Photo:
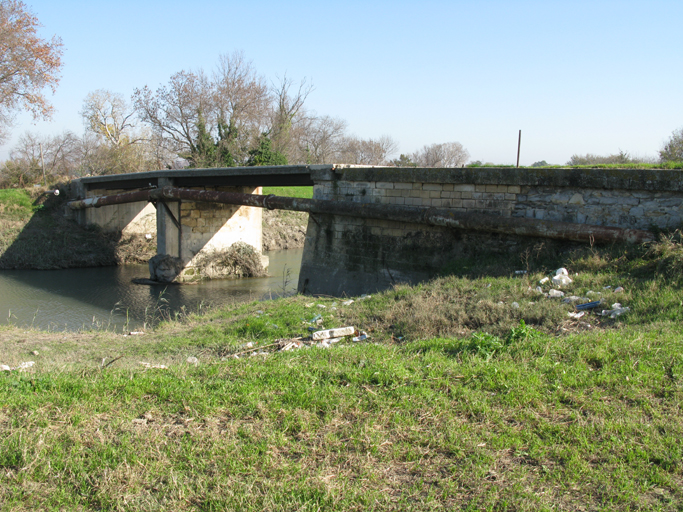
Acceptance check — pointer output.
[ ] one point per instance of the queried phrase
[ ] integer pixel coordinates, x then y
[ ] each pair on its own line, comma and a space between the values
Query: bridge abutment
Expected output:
354, 255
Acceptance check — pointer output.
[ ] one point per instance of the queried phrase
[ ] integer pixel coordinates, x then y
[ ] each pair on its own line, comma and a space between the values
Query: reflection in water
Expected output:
105, 297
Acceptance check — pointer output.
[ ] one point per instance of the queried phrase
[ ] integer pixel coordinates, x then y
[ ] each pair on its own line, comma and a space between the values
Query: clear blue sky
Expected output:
575, 76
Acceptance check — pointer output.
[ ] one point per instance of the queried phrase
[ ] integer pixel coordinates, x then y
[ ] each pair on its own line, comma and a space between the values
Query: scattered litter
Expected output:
364, 297
274, 326
333, 308
606, 287
25, 365
520, 272
149, 365
618, 289
544, 280
321, 339
134, 333
248, 345
487, 285
259, 312
588, 305
309, 305
4, 368
562, 280
315, 319
515, 305
193, 360
148, 236
573, 298
555, 293
591, 292
576, 315
615, 311
322, 306
561, 272
35, 353
334, 304
347, 302
334, 333
539, 289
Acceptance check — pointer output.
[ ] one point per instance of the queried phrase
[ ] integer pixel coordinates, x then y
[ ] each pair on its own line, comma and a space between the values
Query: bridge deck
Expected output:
266, 176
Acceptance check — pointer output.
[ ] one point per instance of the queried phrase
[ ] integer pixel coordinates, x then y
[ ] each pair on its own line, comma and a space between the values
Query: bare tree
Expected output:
367, 151
173, 111
28, 64
108, 115
288, 117
321, 140
241, 101
58, 154
448, 154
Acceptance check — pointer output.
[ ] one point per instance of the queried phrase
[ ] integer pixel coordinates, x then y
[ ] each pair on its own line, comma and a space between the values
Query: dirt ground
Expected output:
283, 229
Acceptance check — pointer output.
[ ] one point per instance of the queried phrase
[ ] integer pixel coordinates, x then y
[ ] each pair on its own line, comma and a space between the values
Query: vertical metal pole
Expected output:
519, 147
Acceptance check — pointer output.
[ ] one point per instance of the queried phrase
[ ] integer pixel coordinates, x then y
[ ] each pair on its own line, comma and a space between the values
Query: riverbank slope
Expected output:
473, 391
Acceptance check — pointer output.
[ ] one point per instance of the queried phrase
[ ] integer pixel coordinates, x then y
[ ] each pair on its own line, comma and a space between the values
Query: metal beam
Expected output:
420, 214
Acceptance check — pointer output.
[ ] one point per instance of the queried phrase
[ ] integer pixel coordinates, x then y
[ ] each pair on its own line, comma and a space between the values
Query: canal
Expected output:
106, 297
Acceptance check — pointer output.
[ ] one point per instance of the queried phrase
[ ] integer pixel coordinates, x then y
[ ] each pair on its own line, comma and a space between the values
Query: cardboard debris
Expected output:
150, 365
333, 333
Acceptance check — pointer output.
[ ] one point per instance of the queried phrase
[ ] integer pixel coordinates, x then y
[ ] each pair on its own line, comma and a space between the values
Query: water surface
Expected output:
105, 297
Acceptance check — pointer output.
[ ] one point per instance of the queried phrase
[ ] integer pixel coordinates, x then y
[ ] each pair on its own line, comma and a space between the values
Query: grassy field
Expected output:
473, 392
304, 192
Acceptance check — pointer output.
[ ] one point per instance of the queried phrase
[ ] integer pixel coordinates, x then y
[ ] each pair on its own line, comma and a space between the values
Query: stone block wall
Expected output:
367, 254
633, 201
207, 229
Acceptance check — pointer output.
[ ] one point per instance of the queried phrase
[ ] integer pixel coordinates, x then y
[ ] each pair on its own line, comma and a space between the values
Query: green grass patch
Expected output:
472, 392
16, 203
303, 192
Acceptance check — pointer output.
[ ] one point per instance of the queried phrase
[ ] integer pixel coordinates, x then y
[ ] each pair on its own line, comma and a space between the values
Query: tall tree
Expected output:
172, 111
28, 64
366, 151
108, 115
288, 115
321, 140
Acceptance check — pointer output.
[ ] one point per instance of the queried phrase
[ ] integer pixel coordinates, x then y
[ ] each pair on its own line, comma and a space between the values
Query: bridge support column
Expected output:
197, 240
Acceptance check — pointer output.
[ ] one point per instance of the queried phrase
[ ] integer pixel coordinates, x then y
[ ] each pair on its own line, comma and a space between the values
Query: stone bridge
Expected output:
372, 227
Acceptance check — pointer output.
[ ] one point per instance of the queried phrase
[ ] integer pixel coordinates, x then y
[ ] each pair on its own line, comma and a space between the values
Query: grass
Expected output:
303, 192
16, 203
458, 401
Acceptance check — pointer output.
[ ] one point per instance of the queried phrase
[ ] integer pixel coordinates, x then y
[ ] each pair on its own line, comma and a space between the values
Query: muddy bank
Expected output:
283, 229
42, 238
